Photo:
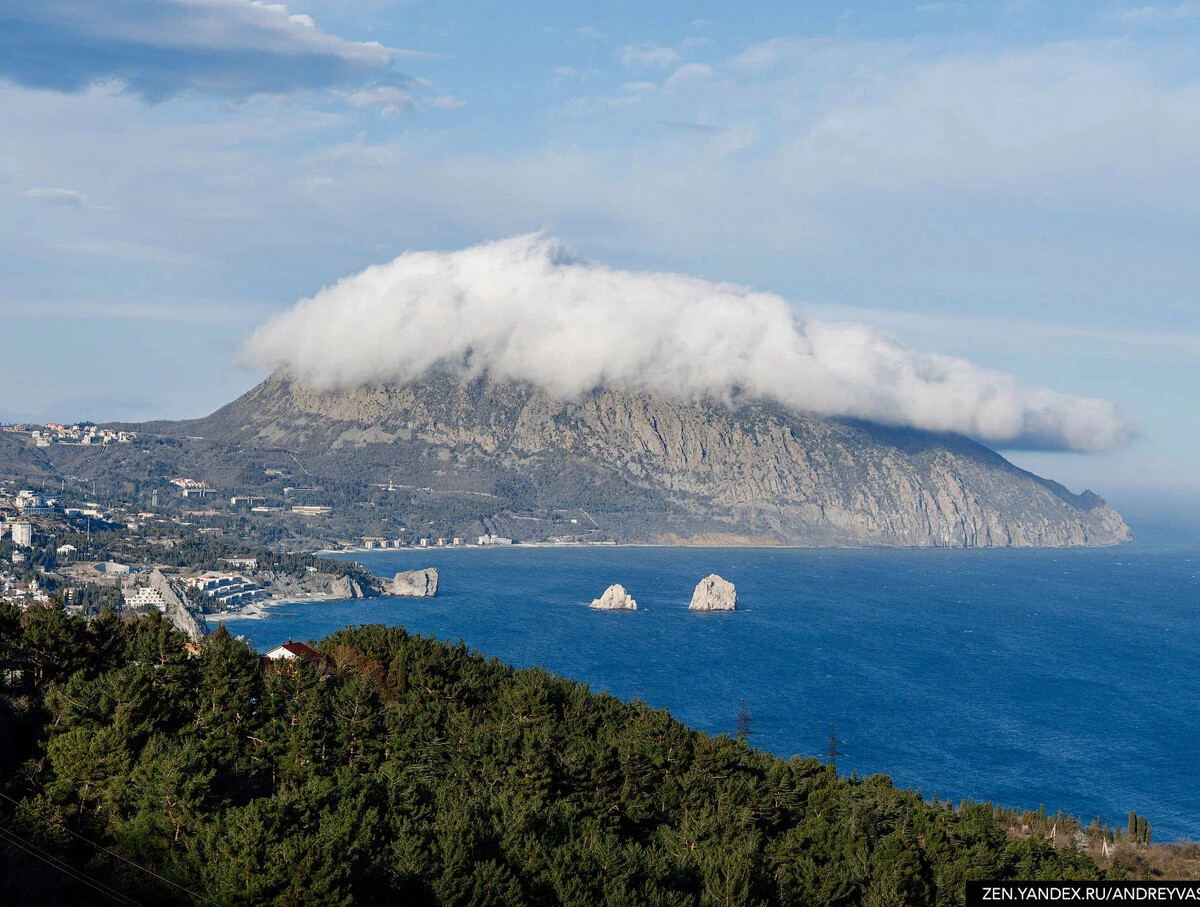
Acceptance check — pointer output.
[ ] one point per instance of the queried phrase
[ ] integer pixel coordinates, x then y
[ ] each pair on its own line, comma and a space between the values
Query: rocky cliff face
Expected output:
187, 621
415, 583
615, 598
345, 587
660, 469
714, 593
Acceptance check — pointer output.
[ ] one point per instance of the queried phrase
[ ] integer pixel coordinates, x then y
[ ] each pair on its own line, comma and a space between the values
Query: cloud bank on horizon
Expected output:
527, 309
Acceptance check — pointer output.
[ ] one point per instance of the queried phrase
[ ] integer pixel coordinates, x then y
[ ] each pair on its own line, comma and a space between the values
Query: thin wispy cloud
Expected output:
697, 128
1023, 334
180, 312
648, 56
67, 198
1154, 14
123, 250
688, 71
388, 98
159, 48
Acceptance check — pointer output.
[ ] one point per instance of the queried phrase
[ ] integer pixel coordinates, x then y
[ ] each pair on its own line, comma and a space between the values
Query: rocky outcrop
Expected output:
615, 598
345, 587
187, 621
714, 594
415, 583
647, 467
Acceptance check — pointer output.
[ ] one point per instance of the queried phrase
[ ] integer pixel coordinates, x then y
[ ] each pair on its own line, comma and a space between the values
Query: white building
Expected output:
22, 533
29, 502
144, 597
190, 487
494, 540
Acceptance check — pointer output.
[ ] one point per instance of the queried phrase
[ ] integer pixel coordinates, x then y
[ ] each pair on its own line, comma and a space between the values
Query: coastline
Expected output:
334, 552
261, 609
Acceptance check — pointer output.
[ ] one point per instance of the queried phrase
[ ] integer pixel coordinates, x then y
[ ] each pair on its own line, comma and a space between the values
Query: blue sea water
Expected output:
1065, 678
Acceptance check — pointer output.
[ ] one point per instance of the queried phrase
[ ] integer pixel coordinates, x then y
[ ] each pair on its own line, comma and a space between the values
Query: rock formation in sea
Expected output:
615, 598
714, 594
415, 583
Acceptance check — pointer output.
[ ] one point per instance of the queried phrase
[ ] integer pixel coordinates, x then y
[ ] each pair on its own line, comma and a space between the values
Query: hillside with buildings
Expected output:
94, 557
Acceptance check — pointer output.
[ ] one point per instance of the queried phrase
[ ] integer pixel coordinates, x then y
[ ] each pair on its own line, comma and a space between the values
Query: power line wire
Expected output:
78, 875
113, 853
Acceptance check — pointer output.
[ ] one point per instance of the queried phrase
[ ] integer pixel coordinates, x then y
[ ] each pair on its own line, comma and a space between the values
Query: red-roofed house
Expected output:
294, 650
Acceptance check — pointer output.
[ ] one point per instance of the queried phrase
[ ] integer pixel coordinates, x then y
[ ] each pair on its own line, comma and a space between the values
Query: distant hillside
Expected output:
641, 467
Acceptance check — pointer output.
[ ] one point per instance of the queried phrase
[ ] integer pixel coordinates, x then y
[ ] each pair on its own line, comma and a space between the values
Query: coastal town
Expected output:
96, 555
100, 520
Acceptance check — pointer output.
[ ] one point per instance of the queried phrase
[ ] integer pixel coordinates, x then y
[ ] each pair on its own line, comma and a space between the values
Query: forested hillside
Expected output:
401, 770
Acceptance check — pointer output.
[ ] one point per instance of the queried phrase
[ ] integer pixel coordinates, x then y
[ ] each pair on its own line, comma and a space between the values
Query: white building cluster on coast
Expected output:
374, 542
79, 433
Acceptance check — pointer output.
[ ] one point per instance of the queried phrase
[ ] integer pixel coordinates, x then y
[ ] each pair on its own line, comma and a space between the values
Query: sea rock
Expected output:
345, 587
416, 583
615, 598
714, 594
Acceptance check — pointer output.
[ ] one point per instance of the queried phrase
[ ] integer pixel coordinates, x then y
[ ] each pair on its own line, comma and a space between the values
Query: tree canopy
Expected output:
398, 769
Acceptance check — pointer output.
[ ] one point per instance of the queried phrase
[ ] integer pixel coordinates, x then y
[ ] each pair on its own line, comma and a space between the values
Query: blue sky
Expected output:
1014, 183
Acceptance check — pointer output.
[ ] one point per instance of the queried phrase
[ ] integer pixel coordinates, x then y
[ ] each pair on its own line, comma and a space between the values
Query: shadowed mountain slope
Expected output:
642, 467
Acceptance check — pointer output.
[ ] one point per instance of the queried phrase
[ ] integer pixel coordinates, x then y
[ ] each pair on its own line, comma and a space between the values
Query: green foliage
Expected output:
93, 598
1139, 828
401, 770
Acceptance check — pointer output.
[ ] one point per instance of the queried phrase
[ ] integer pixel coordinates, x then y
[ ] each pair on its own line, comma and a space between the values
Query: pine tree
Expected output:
743, 723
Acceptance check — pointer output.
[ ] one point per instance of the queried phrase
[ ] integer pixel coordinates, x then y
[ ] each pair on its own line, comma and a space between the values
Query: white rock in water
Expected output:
615, 598
416, 583
714, 594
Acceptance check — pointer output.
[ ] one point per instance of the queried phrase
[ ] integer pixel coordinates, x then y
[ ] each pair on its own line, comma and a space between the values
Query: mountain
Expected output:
639, 467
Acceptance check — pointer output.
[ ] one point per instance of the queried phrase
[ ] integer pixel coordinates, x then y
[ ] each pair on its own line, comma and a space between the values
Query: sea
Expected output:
1063, 678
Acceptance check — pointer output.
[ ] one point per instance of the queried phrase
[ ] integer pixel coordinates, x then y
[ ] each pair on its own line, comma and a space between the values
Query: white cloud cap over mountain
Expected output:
527, 309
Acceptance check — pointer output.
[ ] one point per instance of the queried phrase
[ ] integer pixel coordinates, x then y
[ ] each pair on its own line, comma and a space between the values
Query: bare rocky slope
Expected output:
636, 466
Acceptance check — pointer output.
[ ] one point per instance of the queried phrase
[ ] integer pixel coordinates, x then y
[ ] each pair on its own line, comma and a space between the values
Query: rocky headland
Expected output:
415, 583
